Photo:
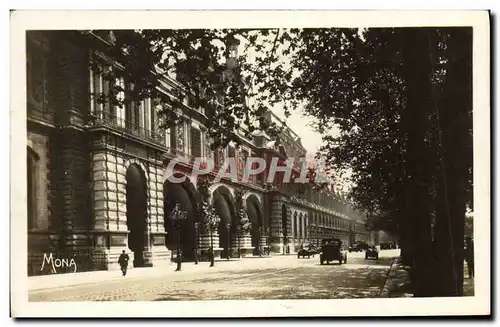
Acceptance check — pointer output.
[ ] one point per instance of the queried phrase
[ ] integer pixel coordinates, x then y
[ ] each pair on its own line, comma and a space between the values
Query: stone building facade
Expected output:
97, 178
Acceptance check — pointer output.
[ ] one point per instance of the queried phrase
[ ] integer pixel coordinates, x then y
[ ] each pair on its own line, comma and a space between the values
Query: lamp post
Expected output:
260, 241
211, 254
177, 216
228, 251
196, 227
268, 232
213, 221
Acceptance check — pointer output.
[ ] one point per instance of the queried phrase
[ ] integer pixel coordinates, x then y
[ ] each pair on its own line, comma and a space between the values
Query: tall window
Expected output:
195, 142
37, 69
32, 167
101, 89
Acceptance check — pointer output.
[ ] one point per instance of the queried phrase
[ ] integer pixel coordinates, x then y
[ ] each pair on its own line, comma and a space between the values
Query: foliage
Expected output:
244, 221
202, 63
212, 219
399, 98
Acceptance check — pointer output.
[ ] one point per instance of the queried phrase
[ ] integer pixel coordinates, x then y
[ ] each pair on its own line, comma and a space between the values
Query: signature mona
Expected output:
58, 263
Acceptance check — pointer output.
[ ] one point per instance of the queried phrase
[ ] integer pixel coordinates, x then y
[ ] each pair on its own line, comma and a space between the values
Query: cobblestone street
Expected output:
252, 278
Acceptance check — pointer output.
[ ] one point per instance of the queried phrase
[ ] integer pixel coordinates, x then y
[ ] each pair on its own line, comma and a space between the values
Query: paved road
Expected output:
250, 279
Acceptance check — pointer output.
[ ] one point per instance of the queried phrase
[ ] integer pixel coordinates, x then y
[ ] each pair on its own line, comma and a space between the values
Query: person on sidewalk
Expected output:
123, 261
211, 256
469, 256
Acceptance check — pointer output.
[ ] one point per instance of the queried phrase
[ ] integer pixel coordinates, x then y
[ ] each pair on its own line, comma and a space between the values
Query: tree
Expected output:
203, 64
399, 97
380, 88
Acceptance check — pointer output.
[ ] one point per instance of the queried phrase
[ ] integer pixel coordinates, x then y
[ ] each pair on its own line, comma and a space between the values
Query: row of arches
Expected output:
136, 189
184, 194
300, 225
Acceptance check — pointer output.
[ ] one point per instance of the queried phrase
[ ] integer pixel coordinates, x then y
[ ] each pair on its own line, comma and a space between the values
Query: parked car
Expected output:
307, 251
331, 250
371, 253
358, 247
385, 246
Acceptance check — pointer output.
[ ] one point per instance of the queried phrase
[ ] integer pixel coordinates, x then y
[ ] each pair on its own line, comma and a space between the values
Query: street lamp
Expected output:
196, 228
268, 232
213, 221
228, 252
178, 215
260, 241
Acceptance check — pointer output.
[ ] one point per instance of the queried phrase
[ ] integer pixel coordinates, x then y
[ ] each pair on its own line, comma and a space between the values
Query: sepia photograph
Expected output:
215, 163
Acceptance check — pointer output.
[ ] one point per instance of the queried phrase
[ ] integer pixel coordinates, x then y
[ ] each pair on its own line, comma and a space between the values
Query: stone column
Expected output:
277, 231
71, 208
206, 240
110, 220
244, 241
160, 253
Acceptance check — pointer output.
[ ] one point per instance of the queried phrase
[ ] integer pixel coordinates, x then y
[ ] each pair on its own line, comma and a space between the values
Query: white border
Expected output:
479, 304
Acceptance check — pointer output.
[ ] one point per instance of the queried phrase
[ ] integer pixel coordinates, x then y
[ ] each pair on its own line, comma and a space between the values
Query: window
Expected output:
179, 138
231, 152
120, 96
37, 69
32, 196
99, 89
154, 116
168, 137
195, 142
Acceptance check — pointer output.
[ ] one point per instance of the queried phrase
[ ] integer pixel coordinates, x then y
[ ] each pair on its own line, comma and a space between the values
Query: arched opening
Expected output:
301, 226
295, 225
284, 224
255, 215
223, 204
137, 203
306, 226
184, 195
31, 165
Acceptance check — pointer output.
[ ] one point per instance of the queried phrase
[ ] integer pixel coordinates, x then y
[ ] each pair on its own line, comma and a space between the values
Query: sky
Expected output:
297, 121
301, 124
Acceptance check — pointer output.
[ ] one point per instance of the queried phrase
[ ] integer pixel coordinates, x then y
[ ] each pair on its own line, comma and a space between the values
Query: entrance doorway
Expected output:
136, 197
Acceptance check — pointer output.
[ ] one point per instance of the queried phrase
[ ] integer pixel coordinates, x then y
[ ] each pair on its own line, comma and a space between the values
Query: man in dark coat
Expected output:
469, 256
123, 261
211, 256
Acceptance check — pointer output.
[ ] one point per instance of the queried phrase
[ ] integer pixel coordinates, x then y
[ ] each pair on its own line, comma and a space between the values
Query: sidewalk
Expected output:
397, 283
39, 283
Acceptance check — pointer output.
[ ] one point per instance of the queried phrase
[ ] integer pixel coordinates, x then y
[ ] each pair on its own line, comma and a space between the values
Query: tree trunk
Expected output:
417, 72
455, 118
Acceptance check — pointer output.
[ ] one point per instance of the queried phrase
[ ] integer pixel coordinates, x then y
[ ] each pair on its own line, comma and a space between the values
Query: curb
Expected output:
386, 290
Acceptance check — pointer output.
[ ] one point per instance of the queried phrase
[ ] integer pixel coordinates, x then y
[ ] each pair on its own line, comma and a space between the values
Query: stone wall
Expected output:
109, 185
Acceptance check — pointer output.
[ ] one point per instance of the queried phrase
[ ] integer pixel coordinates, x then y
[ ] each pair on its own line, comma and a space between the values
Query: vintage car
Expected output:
385, 246
331, 250
358, 247
371, 252
307, 251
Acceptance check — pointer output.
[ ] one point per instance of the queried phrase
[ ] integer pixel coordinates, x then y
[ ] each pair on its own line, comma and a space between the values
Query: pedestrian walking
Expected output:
123, 262
469, 255
211, 256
